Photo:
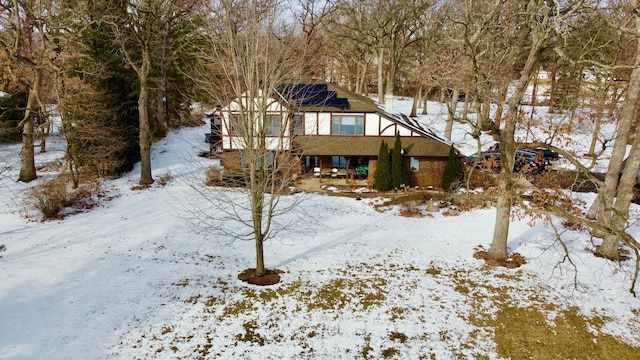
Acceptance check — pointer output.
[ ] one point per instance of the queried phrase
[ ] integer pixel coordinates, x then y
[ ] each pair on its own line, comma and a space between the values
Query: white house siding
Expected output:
324, 124
404, 131
277, 143
387, 127
311, 123
272, 143
372, 124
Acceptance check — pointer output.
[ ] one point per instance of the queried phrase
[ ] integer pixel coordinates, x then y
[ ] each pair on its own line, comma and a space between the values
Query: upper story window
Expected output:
347, 125
235, 125
273, 125
298, 124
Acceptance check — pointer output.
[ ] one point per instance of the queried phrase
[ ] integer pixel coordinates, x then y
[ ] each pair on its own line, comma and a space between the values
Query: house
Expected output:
327, 127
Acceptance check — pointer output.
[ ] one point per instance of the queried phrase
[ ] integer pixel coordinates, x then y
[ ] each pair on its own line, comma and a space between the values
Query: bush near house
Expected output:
382, 177
452, 172
399, 173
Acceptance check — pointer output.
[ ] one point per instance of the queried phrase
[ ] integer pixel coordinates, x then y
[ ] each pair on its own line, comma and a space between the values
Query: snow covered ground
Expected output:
133, 278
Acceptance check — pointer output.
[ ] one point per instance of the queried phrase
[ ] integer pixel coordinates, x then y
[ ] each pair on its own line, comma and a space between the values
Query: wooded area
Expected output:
122, 73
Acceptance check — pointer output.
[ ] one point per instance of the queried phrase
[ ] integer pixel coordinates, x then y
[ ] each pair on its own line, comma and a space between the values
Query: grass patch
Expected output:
498, 311
526, 333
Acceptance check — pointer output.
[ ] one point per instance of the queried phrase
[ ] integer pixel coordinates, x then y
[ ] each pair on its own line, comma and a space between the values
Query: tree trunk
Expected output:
451, 109
260, 268
608, 214
620, 214
27, 156
381, 75
145, 138
499, 111
27, 160
596, 131
534, 91
362, 81
43, 141
414, 106
467, 104
161, 126
257, 188
425, 103
498, 249
553, 89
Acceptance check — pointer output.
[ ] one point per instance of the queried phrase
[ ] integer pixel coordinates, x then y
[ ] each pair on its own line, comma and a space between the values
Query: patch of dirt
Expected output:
272, 277
514, 260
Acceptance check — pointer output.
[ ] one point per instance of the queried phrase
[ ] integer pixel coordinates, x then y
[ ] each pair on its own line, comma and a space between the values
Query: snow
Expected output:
133, 279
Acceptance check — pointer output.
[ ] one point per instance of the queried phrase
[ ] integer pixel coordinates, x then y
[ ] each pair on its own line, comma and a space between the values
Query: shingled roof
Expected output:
318, 96
368, 145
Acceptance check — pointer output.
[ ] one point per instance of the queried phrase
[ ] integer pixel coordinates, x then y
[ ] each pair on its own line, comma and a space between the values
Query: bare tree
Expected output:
94, 139
250, 53
617, 192
388, 28
136, 28
501, 43
24, 44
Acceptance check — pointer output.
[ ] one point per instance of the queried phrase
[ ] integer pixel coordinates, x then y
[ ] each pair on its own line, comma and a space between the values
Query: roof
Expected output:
320, 96
324, 145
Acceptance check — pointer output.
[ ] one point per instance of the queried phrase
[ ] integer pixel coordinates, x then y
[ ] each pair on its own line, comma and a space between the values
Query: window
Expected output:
298, 124
347, 125
415, 164
235, 125
338, 162
268, 158
272, 125
311, 161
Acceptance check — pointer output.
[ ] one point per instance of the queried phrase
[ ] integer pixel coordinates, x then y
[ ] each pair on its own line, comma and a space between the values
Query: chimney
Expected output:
388, 103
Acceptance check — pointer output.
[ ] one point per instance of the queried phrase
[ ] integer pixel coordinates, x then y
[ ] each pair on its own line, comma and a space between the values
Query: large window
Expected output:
272, 124
347, 125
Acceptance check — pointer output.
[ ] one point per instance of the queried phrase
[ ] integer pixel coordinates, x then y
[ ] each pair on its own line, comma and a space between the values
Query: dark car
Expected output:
526, 161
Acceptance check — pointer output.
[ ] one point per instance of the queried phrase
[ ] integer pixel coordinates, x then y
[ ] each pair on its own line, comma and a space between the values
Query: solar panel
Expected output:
312, 95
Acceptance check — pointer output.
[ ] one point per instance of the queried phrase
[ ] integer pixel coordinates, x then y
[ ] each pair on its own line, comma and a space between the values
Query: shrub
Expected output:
382, 176
56, 195
452, 171
164, 179
399, 174
51, 197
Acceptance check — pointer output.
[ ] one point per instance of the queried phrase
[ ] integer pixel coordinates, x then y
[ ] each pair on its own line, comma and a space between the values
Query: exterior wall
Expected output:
372, 170
430, 172
286, 163
324, 124
230, 160
404, 131
371, 124
271, 107
311, 123
388, 128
